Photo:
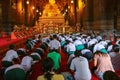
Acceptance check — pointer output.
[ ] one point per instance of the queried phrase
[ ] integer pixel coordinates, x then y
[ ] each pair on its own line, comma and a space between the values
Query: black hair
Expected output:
20, 52
11, 46
78, 53
109, 43
54, 36
67, 41
39, 51
116, 48
119, 42
43, 46
54, 50
110, 75
47, 66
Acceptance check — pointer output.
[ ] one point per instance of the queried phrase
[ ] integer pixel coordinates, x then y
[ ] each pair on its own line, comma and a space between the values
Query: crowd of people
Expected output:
80, 48
23, 32
20, 31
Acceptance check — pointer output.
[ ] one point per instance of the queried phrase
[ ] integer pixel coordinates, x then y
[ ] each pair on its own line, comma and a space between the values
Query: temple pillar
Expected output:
1, 27
88, 16
118, 17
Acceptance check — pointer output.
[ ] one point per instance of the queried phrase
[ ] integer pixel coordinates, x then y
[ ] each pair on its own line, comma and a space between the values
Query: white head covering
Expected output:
62, 39
104, 43
70, 39
109, 48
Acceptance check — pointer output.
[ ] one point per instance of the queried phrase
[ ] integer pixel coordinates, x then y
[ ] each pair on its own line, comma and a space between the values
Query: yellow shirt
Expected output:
55, 77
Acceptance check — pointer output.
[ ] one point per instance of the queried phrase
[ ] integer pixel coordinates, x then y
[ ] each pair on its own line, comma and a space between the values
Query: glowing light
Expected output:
66, 10
72, 1
27, 2
68, 7
33, 7
40, 13
37, 10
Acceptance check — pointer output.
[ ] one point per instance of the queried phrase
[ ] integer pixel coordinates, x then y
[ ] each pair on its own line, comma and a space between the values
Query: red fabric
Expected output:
3, 34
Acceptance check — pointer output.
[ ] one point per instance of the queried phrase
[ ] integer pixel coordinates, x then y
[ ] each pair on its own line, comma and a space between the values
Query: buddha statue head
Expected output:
52, 2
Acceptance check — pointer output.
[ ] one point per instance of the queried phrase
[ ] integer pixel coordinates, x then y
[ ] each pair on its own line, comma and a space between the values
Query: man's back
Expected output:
56, 58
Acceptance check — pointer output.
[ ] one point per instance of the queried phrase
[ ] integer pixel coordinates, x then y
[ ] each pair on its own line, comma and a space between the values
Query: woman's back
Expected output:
103, 62
47, 66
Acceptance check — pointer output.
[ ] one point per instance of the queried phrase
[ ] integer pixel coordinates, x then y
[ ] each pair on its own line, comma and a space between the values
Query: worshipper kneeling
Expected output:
49, 74
115, 56
21, 51
29, 44
55, 43
40, 51
78, 44
71, 57
56, 57
28, 61
102, 63
28, 47
43, 46
15, 72
36, 57
46, 44
70, 47
10, 57
87, 53
63, 42
80, 67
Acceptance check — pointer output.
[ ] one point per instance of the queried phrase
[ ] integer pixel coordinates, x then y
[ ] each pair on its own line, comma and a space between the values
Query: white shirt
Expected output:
77, 42
54, 44
22, 49
45, 39
104, 43
117, 42
70, 58
88, 38
99, 38
81, 67
91, 42
98, 47
109, 49
34, 53
71, 47
10, 55
26, 62
112, 54
83, 41
85, 50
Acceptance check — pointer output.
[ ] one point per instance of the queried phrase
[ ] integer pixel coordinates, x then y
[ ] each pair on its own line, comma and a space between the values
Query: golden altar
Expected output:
52, 21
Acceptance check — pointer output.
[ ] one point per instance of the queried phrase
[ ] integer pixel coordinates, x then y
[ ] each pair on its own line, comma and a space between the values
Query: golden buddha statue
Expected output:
51, 13
52, 2
51, 9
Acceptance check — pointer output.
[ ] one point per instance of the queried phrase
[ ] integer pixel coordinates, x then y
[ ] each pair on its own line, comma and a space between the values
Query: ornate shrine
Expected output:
52, 21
